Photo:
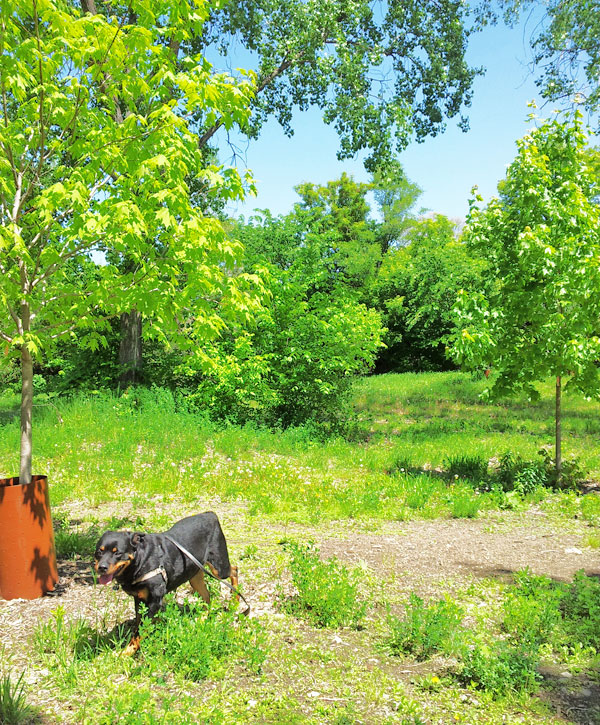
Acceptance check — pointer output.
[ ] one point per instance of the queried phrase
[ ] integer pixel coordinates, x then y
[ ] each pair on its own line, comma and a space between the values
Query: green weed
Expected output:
425, 629
328, 592
590, 508
74, 541
195, 642
500, 669
473, 468
14, 709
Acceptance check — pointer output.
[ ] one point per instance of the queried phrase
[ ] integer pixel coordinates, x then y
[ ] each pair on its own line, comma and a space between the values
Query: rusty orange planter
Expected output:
27, 554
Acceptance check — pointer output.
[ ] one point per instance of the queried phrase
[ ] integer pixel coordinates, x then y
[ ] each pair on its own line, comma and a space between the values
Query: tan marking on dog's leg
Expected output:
199, 586
233, 575
133, 646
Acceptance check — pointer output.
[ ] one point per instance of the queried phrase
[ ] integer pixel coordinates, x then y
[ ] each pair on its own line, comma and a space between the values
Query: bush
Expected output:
516, 474
327, 591
425, 629
500, 669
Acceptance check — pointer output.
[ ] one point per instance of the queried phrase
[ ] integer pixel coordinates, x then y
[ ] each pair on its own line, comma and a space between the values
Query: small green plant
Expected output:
522, 476
532, 609
197, 643
472, 468
425, 628
465, 504
14, 709
72, 542
581, 610
500, 669
590, 508
571, 470
328, 593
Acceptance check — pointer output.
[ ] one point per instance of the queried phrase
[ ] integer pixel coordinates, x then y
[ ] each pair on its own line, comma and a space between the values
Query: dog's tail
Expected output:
195, 561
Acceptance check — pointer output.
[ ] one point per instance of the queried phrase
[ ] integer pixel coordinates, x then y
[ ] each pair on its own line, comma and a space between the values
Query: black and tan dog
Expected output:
147, 566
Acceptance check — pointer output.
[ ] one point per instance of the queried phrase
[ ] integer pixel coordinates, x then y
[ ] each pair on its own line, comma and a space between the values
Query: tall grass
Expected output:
409, 430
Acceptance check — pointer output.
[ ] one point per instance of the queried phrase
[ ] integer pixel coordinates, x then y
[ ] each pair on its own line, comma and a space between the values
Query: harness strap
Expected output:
195, 561
160, 570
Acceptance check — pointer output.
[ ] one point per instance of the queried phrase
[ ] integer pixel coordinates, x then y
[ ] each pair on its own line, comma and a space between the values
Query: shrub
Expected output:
425, 629
500, 669
516, 474
327, 590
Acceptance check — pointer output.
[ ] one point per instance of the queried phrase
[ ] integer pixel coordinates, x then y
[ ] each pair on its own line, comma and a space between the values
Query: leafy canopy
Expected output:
97, 148
380, 71
565, 41
541, 240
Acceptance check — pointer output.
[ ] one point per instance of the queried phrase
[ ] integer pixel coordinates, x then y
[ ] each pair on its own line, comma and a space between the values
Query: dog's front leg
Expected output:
134, 642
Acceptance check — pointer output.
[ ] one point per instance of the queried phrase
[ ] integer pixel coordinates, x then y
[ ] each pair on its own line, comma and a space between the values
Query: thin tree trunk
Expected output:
26, 415
130, 349
558, 441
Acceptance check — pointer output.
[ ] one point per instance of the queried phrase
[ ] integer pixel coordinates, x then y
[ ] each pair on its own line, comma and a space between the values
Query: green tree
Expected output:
309, 342
335, 220
380, 72
416, 290
541, 240
95, 151
566, 46
396, 197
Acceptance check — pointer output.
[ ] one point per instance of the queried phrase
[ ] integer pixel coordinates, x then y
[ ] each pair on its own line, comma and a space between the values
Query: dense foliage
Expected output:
541, 241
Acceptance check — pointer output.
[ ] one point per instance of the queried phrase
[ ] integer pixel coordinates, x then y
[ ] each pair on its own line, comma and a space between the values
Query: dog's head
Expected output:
114, 553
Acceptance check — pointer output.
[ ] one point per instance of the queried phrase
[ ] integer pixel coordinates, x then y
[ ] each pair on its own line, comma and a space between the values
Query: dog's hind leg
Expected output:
233, 575
199, 586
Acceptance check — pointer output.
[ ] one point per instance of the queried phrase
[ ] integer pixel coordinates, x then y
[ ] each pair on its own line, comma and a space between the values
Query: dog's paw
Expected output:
132, 647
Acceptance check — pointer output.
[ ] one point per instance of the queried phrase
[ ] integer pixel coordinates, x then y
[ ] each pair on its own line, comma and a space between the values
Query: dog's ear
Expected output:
136, 539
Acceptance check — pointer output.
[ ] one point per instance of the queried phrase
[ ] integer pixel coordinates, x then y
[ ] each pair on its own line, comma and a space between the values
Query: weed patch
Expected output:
195, 643
14, 709
425, 629
328, 593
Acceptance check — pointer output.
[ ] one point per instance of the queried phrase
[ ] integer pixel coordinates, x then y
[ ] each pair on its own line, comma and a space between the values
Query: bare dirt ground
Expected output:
427, 557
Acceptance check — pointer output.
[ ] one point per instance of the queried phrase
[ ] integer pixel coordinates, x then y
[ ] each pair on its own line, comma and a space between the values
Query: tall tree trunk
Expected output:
26, 415
558, 437
130, 349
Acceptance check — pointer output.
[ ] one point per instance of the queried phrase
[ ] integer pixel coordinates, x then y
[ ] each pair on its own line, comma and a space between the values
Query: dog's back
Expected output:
203, 537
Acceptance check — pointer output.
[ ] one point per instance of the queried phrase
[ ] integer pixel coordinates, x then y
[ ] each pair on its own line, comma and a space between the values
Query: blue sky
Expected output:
445, 167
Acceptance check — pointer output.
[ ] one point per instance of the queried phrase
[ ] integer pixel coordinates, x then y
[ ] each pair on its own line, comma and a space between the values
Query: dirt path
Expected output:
427, 554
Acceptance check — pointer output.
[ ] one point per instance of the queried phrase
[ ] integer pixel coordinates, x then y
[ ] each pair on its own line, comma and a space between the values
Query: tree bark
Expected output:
558, 436
26, 415
130, 349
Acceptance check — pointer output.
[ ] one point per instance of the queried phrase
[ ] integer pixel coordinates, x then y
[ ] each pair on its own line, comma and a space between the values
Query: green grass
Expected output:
349, 647
409, 429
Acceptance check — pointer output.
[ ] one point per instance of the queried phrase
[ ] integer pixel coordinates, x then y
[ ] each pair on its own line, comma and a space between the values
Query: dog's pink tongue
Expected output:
105, 578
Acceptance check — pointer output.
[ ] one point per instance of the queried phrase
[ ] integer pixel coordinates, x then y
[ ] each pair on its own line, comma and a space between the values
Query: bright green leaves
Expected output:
98, 148
541, 240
